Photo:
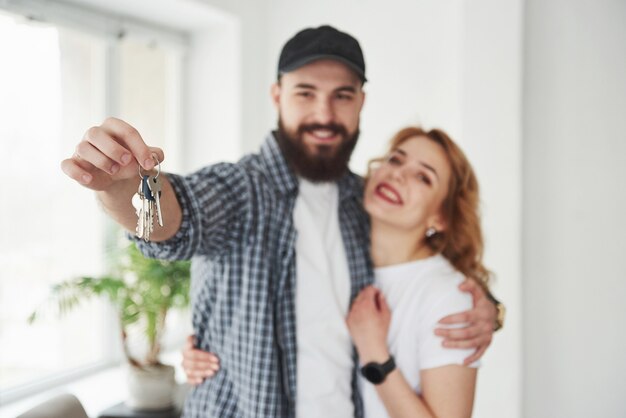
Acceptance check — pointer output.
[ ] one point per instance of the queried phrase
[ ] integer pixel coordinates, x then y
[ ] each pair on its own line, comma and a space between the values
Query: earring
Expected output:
430, 232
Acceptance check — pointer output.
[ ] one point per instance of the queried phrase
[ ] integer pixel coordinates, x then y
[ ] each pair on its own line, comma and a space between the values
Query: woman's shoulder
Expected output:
442, 275
442, 287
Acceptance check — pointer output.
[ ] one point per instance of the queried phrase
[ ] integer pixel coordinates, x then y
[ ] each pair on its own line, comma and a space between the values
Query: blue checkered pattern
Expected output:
238, 229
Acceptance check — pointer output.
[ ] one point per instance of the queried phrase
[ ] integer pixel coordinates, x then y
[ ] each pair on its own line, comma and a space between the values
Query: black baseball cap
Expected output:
325, 42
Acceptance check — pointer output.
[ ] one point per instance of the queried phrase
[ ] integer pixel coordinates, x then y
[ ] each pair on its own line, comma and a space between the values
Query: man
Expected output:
279, 241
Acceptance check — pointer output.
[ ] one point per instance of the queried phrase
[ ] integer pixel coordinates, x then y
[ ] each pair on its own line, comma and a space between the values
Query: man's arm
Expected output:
107, 161
479, 323
197, 364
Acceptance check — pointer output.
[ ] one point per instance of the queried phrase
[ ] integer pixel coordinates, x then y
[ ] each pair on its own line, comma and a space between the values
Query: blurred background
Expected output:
534, 91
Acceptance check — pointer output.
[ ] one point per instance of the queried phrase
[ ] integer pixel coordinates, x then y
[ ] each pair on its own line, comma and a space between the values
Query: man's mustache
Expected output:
335, 128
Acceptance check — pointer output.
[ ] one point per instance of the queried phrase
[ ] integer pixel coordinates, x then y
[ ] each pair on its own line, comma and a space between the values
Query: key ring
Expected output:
154, 156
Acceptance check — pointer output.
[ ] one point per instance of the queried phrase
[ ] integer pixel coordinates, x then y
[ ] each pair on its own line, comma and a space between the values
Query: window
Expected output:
55, 82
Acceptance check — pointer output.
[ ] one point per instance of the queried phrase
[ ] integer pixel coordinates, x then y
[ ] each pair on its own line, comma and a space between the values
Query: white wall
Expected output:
227, 91
491, 103
574, 205
456, 65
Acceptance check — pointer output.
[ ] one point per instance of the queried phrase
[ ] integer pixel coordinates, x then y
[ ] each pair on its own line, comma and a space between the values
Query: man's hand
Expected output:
107, 160
198, 364
479, 323
368, 322
109, 153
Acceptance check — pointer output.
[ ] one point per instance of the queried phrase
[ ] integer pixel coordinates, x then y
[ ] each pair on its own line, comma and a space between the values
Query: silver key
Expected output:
146, 219
139, 205
149, 205
147, 202
150, 217
146, 216
155, 184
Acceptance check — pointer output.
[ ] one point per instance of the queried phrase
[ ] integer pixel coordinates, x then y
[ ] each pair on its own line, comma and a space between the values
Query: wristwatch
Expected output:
377, 372
500, 316
500, 312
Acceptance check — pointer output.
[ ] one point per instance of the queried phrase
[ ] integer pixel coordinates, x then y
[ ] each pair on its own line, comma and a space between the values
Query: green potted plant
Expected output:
142, 291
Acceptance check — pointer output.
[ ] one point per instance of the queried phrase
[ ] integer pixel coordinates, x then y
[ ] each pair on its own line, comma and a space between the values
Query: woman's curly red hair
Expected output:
462, 240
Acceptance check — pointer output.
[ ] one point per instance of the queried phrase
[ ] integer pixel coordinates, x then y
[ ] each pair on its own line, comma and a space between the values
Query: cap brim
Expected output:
307, 60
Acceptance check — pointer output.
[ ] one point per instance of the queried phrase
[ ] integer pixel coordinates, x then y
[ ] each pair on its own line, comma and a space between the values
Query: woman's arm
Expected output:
447, 391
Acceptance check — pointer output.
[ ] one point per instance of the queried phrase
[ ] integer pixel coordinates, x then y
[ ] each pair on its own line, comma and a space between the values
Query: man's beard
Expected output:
329, 164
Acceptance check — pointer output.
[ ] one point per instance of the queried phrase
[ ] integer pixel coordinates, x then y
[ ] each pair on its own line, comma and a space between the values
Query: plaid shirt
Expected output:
238, 228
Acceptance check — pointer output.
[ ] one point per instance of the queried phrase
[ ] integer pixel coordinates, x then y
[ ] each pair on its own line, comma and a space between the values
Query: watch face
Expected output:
373, 373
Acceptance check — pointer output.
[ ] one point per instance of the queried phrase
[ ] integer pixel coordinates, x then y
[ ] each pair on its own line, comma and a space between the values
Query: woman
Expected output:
422, 199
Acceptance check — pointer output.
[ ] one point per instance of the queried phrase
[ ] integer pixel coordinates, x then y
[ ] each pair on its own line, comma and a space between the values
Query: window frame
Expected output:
110, 28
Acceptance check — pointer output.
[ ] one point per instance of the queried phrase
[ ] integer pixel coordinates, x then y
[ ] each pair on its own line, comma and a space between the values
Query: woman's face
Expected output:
408, 187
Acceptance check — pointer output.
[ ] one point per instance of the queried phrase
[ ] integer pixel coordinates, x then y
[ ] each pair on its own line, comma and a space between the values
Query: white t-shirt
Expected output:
419, 294
322, 297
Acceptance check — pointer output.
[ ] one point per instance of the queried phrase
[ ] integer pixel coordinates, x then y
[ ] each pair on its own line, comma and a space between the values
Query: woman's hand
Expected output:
479, 324
198, 364
368, 322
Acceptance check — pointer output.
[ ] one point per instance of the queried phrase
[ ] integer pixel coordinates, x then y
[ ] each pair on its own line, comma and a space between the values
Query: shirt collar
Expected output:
350, 184
277, 168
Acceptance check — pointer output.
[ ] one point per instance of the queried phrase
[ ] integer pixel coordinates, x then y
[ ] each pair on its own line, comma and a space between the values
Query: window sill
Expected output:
96, 392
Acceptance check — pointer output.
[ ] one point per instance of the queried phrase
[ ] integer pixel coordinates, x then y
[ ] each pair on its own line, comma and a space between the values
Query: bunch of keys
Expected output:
147, 202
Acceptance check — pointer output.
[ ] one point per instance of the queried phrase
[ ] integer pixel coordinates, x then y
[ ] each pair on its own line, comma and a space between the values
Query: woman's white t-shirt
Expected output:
419, 294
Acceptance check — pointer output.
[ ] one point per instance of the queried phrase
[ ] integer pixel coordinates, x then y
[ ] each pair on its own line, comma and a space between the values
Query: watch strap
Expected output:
500, 311
376, 373
388, 366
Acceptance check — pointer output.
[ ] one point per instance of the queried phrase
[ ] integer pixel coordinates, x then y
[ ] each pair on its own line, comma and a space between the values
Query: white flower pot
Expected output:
151, 387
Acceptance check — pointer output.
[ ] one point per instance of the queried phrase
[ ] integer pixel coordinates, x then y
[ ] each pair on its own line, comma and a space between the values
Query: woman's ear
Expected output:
438, 222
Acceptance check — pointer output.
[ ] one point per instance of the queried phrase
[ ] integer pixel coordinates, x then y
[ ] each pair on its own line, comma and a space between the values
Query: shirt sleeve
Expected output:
215, 203
431, 352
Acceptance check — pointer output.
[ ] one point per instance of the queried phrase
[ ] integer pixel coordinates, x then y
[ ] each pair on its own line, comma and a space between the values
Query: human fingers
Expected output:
86, 174
476, 355
200, 368
196, 371
362, 298
132, 140
200, 356
86, 151
370, 302
366, 292
75, 171
459, 318
487, 311
361, 312
464, 333
196, 380
192, 354
158, 153
468, 285
472, 287
470, 343
102, 141
382, 304
190, 342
